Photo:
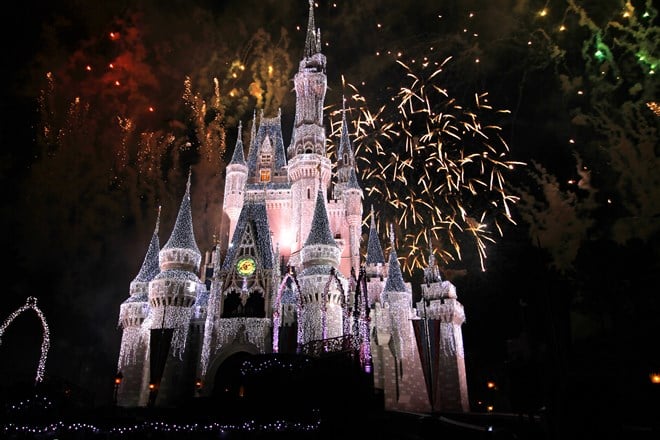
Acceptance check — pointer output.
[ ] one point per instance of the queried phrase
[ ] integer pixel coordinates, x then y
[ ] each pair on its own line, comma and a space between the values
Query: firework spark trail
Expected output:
431, 163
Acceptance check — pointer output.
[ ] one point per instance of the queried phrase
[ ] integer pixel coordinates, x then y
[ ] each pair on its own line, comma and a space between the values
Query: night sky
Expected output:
107, 106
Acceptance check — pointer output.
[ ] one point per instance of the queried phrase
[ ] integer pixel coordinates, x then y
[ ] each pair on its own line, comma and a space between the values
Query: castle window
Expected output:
266, 159
309, 193
264, 175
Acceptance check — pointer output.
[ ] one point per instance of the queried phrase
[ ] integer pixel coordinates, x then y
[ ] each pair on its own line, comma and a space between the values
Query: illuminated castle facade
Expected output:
292, 276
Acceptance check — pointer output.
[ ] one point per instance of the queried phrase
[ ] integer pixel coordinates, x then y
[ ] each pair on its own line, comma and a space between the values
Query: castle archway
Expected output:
225, 368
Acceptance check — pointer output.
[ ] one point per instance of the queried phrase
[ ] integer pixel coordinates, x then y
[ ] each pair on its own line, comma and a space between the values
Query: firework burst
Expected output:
429, 163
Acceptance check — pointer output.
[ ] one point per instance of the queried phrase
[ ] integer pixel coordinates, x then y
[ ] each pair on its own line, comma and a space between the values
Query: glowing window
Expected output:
264, 175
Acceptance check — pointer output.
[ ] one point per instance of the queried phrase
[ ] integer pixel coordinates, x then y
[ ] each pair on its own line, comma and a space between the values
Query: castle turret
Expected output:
172, 294
440, 306
375, 268
398, 297
307, 152
348, 190
345, 158
235, 178
321, 283
132, 313
398, 370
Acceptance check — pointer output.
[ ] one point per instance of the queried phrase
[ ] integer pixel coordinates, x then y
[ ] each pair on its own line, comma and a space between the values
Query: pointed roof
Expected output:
183, 235
395, 281
253, 133
150, 267
312, 40
270, 128
374, 249
353, 182
238, 157
319, 232
253, 214
345, 145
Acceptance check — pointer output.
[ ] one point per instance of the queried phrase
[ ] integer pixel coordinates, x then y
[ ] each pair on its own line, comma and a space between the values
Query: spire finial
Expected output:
240, 131
373, 220
188, 183
312, 45
431, 256
392, 234
158, 220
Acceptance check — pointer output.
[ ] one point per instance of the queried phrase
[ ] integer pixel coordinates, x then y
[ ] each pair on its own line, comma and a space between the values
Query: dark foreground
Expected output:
39, 418
335, 403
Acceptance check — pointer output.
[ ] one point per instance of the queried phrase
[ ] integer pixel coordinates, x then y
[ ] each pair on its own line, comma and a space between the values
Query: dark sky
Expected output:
80, 201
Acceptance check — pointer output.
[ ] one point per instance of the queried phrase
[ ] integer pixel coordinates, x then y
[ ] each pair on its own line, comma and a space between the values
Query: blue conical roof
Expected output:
345, 145
150, 266
271, 129
183, 235
395, 281
353, 180
319, 232
238, 157
374, 249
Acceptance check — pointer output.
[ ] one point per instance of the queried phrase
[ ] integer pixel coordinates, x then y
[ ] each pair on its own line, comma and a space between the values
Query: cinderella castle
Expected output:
292, 276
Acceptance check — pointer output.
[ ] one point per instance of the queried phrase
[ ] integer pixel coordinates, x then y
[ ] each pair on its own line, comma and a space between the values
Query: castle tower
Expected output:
321, 283
439, 304
236, 176
349, 192
307, 152
132, 313
397, 371
268, 180
172, 295
375, 268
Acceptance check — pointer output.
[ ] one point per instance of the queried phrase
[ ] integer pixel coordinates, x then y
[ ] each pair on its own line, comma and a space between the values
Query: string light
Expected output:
31, 304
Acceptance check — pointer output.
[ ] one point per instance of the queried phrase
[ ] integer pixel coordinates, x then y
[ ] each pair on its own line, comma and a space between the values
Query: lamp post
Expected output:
152, 395
118, 378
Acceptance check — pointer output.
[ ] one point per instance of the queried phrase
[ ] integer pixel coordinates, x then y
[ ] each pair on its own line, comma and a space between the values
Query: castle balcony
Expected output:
324, 347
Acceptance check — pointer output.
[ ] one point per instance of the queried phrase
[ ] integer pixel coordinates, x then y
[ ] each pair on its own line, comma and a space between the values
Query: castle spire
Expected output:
374, 249
319, 232
345, 141
238, 157
395, 281
150, 266
313, 38
253, 133
183, 235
